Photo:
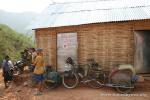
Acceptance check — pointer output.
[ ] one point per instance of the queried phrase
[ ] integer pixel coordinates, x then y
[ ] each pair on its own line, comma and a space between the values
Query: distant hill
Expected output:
12, 43
17, 21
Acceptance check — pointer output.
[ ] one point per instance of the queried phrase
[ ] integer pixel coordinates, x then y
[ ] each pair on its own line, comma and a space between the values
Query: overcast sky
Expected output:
29, 5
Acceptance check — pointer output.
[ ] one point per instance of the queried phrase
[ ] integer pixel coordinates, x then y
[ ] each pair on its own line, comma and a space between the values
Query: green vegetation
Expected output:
12, 43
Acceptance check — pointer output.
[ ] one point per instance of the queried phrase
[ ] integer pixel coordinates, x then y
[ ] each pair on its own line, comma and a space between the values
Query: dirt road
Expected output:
21, 92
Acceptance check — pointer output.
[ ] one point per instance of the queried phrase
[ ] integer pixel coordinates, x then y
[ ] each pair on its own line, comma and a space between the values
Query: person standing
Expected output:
6, 70
39, 70
34, 54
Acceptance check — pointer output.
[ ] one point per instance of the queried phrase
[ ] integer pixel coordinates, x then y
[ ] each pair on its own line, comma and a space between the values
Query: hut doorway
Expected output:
66, 47
142, 54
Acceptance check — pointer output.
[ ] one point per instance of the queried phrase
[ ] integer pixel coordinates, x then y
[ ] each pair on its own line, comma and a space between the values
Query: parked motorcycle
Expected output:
19, 66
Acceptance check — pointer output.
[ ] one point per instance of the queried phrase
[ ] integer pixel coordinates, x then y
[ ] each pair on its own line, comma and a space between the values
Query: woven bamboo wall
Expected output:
46, 40
108, 47
108, 43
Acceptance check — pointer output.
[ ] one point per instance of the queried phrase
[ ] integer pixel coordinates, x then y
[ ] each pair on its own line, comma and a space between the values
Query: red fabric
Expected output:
113, 72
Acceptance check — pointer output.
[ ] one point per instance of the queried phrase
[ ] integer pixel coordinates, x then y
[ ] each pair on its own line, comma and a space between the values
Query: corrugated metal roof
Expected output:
66, 14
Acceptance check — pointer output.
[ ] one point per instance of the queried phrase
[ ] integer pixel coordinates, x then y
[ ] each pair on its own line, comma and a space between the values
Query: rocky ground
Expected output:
22, 91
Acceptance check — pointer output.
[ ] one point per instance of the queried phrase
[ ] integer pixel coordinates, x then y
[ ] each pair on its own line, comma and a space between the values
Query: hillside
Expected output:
17, 21
12, 43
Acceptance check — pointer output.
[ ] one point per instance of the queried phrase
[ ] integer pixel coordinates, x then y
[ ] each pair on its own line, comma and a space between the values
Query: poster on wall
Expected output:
67, 40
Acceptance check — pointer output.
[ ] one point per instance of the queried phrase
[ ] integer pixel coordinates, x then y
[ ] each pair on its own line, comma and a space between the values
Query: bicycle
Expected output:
121, 77
75, 74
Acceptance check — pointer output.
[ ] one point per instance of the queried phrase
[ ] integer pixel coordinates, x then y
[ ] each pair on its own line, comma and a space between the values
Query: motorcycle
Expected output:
19, 66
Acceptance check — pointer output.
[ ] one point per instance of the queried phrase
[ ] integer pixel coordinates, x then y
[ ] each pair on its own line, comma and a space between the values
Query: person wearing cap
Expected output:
39, 70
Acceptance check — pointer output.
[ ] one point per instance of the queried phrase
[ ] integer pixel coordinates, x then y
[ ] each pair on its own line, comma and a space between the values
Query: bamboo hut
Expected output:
111, 32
